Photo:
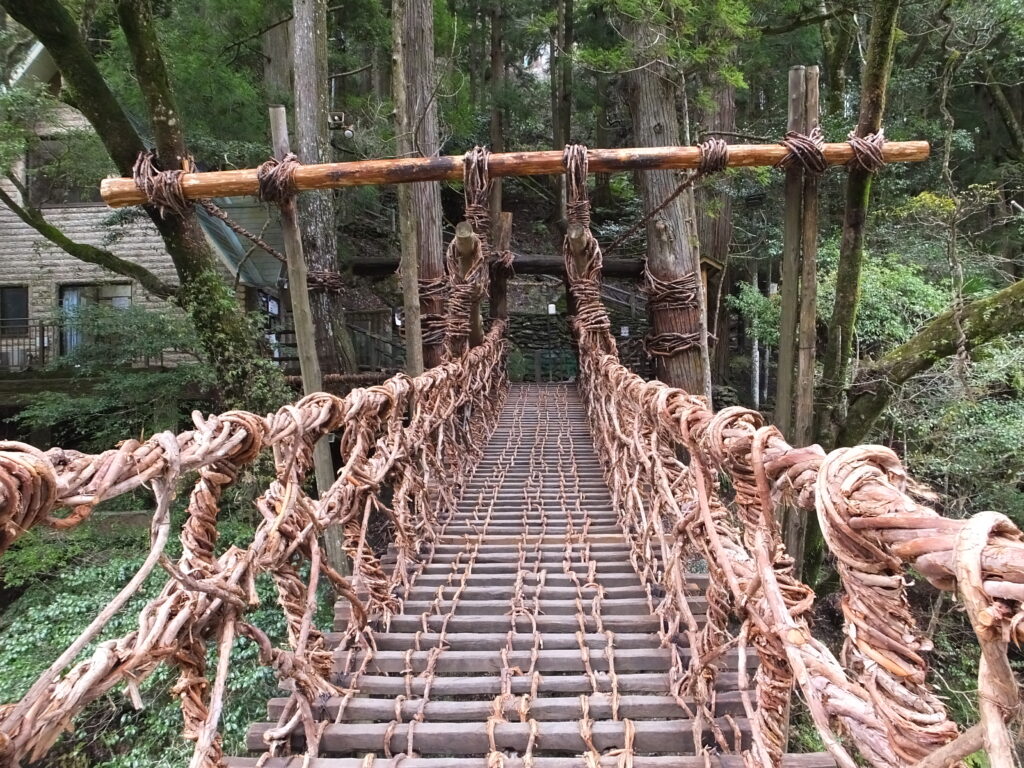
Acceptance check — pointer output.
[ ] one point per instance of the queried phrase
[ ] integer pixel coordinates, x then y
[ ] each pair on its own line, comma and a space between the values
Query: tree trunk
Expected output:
671, 252
839, 347
419, 205
837, 38
602, 181
316, 209
497, 127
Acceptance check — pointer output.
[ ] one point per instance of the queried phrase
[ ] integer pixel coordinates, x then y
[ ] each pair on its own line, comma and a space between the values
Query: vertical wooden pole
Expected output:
410, 270
808, 287
302, 316
790, 263
501, 240
466, 244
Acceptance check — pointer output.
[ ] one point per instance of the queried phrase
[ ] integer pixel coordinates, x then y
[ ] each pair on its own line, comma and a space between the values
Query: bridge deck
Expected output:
528, 634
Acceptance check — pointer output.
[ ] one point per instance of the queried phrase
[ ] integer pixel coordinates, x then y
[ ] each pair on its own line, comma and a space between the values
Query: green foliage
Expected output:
21, 109
216, 74
58, 605
117, 397
964, 436
895, 298
762, 313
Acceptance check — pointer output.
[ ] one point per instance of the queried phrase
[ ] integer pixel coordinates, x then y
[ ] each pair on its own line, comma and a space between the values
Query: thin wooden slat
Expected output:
548, 708
647, 682
658, 736
121, 192
521, 641
561, 661
548, 607
811, 760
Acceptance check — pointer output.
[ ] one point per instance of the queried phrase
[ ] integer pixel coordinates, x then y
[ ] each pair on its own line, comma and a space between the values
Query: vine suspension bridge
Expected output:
575, 575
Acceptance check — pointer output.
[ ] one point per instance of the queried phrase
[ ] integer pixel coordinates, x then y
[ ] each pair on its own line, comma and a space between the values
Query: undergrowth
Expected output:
63, 580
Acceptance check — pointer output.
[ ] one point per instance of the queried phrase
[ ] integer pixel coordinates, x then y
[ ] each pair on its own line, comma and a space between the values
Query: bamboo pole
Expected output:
305, 337
121, 192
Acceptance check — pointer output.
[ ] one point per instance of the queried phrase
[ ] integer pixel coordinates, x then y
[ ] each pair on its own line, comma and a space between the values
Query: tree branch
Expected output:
982, 321
90, 254
803, 21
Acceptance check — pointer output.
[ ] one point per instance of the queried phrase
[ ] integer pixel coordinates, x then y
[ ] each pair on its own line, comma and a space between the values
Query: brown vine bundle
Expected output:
417, 436
878, 698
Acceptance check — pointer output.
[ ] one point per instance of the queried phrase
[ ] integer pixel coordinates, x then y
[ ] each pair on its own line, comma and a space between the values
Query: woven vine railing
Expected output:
417, 437
693, 485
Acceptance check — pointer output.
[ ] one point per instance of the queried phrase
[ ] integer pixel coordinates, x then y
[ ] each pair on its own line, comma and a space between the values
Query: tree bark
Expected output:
419, 205
497, 126
839, 347
837, 38
982, 320
316, 209
671, 251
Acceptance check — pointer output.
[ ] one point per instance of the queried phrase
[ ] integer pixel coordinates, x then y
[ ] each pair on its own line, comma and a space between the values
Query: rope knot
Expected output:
276, 179
867, 151
805, 149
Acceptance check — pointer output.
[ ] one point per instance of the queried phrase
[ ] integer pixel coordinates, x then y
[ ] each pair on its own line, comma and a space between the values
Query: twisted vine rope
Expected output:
468, 279
876, 697
418, 437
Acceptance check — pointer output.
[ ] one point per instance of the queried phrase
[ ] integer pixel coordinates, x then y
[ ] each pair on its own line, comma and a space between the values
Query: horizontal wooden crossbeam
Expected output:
121, 192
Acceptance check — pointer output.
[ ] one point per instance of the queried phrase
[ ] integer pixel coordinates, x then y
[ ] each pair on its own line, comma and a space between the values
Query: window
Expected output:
14, 310
49, 171
117, 295
74, 297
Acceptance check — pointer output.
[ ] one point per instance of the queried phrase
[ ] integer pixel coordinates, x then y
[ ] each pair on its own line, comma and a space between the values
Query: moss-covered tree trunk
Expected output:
839, 348
982, 320
245, 378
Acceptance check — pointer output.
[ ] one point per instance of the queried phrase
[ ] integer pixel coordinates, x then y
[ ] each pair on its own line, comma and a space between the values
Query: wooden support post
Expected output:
808, 290
302, 317
790, 264
410, 271
501, 241
467, 244
579, 236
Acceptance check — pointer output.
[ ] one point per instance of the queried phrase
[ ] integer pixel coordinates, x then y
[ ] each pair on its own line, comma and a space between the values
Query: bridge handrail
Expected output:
418, 436
873, 520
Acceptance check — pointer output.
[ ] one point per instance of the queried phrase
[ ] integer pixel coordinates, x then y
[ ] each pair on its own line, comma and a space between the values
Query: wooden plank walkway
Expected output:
528, 639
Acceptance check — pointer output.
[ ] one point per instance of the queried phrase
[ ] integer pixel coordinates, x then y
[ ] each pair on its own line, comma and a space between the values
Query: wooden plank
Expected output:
475, 641
490, 686
673, 737
121, 192
490, 662
467, 623
552, 578
633, 707
698, 604
636, 593
602, 568
811, 760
